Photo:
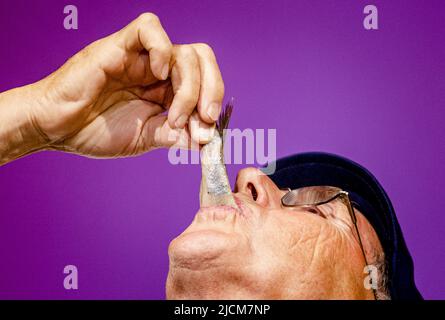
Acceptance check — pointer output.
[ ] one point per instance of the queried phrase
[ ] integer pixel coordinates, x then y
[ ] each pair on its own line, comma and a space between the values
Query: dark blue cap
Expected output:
319, 169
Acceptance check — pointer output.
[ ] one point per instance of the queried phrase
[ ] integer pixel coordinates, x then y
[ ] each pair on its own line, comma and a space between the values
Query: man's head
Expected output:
267, 251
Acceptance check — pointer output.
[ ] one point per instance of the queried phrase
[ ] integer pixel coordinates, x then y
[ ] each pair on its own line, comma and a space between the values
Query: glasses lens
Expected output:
309, 195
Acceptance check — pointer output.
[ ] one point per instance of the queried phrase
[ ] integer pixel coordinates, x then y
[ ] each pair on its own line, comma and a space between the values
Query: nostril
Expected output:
253, 191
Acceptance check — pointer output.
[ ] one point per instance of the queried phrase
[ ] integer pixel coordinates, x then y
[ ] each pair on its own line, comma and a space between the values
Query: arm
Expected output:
121, 96
18, 135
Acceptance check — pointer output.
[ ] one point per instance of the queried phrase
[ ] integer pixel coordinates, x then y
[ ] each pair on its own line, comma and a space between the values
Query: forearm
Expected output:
18, 134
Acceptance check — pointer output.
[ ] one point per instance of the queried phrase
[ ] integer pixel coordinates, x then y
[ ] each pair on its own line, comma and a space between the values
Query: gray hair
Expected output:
382, 291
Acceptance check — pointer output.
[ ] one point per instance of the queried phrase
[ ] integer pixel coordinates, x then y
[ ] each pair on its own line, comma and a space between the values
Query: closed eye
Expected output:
316, 211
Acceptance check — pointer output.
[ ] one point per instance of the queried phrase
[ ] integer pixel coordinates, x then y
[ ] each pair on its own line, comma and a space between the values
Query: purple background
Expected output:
307, 68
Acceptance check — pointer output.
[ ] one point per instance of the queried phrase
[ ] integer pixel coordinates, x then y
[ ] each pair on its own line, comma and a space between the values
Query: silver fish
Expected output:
215, 186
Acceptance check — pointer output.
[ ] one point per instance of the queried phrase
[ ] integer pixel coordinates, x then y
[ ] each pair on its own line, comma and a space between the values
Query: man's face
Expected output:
266, 251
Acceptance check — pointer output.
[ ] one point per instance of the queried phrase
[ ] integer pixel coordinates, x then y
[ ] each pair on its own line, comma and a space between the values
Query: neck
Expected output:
224, 284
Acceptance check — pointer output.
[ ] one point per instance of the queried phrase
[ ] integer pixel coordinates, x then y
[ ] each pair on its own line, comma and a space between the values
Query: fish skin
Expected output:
215, 186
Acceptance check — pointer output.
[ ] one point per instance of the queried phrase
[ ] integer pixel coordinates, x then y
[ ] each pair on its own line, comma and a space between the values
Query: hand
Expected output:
109, 100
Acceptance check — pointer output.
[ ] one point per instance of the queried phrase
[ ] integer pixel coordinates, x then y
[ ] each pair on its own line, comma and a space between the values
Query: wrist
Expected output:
19, 134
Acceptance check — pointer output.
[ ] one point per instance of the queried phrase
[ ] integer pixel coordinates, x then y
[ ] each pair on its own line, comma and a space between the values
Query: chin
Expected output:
208, 239
194, 257
201, 248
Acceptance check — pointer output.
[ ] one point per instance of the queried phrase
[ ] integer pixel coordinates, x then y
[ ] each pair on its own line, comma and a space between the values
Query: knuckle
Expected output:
166, 48
205, 50
149, 18
187, 52
204, 47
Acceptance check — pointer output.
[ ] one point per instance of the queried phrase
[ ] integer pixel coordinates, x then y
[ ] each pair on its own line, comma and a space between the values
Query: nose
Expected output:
255, 184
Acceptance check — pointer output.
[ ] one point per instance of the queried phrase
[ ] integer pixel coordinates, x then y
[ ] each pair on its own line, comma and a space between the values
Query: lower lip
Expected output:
222, 212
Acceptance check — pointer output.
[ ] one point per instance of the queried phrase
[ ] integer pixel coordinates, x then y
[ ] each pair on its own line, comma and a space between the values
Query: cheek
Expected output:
336, 258
284, 254
281, 242
303, 243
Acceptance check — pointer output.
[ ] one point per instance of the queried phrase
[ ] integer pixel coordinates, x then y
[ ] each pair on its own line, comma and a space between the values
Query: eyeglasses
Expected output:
312, 197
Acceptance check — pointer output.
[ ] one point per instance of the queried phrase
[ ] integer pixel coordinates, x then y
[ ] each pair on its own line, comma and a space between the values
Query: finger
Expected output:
212, 85
200, 132
159, 134
185, 81
146, 32
160, 93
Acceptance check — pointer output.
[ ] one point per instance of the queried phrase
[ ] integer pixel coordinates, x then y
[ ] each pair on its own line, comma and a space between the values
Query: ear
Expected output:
371, 243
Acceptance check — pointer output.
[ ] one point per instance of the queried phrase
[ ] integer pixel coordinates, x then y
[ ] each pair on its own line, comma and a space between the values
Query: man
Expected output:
332, 235
109, 100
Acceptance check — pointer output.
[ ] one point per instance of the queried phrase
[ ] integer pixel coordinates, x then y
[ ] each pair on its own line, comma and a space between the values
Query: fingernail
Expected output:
213, 111
164, 72
181, 121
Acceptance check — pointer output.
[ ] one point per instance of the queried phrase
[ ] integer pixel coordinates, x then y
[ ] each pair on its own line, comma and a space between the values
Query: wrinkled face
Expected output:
266, 251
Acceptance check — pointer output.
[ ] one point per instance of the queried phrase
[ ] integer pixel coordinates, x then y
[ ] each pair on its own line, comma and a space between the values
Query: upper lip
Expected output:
243, 204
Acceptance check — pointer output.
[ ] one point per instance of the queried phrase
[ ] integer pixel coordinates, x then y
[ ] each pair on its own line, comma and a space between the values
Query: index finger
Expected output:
212, 85
146, 32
